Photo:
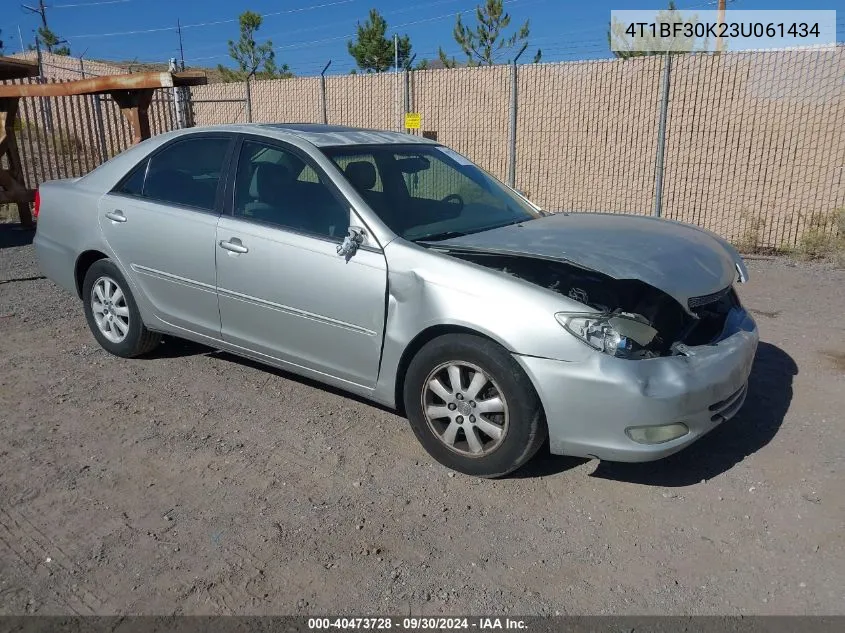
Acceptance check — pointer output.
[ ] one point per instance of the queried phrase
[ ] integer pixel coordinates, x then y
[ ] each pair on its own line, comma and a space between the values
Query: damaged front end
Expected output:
629, 318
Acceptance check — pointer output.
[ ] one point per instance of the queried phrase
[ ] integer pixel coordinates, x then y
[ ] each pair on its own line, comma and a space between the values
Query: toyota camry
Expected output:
392, 267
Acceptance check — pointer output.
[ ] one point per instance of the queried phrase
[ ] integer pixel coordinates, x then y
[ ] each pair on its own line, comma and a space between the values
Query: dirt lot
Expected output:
195, 482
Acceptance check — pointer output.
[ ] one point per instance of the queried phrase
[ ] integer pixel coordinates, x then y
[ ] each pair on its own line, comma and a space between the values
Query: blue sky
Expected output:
307, 33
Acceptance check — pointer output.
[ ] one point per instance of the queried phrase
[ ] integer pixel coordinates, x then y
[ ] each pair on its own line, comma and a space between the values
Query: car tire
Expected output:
112, 313
443, 418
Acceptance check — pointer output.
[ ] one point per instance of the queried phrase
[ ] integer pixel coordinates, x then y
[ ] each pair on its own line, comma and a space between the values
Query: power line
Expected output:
311, 43
212, 23
87, 4
318, 27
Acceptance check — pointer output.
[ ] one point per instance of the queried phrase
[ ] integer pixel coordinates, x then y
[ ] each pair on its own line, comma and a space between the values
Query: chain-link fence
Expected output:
68, 136
750, 145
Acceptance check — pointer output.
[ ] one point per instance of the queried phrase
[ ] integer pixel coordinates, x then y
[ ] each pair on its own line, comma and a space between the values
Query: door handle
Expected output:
234, 245
116, 216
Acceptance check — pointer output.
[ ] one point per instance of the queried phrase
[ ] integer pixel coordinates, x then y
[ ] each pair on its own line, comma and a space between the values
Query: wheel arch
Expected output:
85, 260
416, 344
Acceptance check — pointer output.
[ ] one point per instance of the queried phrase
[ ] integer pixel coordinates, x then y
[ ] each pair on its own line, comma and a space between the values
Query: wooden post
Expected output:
134, 105
11, 180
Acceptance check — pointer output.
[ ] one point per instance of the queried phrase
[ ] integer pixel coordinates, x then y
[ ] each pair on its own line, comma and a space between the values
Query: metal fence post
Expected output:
323, 92
248, 98
407, 92
512, 130
178, 99
661, 137
101, 128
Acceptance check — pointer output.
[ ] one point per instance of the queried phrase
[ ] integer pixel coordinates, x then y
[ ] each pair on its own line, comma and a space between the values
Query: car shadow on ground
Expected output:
172, 347
768, 400
13, 235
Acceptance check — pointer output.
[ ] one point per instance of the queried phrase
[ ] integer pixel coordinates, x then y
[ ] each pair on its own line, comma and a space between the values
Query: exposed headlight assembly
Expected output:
618, 334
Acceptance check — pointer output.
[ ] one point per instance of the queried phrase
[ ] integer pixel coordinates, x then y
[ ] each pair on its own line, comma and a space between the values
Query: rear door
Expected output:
161, 222
283, 289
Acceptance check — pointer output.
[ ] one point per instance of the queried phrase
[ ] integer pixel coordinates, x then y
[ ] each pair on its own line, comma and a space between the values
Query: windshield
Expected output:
429, 192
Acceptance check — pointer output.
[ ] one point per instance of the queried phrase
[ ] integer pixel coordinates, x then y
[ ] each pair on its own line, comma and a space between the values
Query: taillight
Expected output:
37, 208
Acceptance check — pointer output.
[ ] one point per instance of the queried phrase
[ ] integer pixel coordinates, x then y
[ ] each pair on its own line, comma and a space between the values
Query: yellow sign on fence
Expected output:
413, 120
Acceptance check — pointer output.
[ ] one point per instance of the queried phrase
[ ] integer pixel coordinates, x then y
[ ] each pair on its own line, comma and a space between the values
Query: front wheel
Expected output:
472, 407
112, 313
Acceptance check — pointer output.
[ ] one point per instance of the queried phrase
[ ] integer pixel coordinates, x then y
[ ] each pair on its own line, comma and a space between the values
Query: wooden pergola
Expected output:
133, 94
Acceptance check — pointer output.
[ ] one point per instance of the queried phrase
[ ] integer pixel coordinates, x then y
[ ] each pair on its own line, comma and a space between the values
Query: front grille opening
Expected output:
712, 312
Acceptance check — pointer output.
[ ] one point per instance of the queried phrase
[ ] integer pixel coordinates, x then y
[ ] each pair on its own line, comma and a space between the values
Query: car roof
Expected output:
319, 134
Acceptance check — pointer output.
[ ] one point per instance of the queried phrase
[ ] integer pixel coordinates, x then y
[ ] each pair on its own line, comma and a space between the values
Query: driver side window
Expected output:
275, 186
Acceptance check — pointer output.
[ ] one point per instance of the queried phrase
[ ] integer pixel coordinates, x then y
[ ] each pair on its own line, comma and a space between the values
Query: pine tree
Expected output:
253, 59
486, 44
371, 49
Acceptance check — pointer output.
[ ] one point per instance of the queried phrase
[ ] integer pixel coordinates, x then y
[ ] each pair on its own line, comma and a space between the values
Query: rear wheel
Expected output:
112, 313
472, 407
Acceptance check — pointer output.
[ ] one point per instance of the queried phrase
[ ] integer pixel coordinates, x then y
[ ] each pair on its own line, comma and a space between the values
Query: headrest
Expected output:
271, 180
169, 184
362, 174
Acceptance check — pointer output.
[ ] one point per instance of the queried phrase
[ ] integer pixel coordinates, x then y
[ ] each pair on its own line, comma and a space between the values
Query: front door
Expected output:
161, 221
283, 290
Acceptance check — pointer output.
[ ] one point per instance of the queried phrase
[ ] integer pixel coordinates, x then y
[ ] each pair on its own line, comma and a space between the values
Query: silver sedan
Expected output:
394, 268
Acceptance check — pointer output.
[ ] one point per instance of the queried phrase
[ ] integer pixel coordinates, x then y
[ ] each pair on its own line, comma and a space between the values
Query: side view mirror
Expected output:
354, 238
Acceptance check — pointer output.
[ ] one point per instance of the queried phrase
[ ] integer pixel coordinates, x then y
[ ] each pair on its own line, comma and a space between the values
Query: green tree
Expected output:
646, 45
448, 62
486, 44
371, 49
252, 59
51, 41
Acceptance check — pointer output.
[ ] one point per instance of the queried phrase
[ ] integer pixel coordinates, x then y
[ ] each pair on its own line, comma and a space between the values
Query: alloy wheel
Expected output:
108, 303
465, 408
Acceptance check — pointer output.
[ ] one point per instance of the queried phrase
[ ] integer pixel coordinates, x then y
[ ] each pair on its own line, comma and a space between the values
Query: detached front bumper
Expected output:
589, 405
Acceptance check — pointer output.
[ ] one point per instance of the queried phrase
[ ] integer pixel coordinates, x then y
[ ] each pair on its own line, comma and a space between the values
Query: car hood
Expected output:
681, 260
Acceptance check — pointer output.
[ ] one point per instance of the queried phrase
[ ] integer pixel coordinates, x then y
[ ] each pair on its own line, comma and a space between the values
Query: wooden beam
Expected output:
11, 179
6, 198
134, 105
13, 68
102, 85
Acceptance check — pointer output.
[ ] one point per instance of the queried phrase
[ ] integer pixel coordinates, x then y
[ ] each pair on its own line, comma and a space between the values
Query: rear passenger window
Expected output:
133, 184
187, 173
278, 187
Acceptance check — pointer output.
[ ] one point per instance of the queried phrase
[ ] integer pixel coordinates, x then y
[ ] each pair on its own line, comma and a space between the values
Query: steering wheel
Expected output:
454, 199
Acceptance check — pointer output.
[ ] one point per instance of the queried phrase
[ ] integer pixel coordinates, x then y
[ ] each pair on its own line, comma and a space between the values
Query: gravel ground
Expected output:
193, 482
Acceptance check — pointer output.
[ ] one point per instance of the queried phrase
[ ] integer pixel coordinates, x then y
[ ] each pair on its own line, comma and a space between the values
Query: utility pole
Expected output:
38, 56
181, 50
42, 11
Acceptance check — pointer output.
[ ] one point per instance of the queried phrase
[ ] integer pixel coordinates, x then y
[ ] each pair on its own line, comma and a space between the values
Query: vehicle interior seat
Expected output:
267, 189
362, 175
173, 185
275, 195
